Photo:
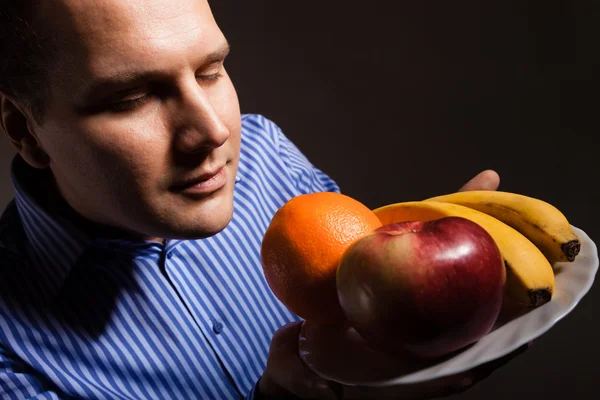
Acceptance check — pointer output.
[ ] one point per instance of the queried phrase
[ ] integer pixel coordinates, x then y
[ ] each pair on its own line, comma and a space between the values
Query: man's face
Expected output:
143, 123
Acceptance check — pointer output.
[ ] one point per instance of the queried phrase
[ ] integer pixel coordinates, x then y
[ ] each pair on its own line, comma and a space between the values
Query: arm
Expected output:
19, 381
306, 176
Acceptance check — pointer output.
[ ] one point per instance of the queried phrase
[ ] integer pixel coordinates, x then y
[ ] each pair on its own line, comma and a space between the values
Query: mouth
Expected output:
203, 184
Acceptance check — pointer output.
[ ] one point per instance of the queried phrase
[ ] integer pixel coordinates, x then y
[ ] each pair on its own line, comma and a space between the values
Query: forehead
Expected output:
108, 34
115, 17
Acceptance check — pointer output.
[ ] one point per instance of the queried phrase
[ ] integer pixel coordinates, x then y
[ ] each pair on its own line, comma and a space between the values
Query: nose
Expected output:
198, 125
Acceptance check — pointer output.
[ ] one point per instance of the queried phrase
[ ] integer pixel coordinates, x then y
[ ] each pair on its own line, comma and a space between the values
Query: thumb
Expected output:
486, 180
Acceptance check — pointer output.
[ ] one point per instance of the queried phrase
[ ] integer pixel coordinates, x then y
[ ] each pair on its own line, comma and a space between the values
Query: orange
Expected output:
302, 248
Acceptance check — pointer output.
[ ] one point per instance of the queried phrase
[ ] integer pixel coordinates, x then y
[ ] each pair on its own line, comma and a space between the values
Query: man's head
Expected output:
137, 112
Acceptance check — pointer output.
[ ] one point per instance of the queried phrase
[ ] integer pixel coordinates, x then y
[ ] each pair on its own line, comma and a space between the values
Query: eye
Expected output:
129, 105
210, 77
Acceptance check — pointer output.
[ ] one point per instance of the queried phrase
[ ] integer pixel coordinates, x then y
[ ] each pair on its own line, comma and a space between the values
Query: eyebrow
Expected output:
130, 78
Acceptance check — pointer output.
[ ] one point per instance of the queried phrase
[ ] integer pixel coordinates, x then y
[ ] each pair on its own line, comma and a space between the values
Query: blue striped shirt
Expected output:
99, 318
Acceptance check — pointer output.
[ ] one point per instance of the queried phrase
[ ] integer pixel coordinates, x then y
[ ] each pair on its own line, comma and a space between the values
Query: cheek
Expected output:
117, 153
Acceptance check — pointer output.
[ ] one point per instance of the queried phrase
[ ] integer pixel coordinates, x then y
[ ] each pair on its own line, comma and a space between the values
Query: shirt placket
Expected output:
202, 302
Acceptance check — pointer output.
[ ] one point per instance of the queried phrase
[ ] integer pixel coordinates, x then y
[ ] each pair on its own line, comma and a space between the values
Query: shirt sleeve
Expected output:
19, 381
307, 177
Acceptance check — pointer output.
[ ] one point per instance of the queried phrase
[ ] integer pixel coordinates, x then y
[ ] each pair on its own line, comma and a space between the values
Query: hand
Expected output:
486, 180
441, 387
286, 376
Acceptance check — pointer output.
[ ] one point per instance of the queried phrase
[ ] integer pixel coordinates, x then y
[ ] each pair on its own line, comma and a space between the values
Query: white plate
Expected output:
338, 353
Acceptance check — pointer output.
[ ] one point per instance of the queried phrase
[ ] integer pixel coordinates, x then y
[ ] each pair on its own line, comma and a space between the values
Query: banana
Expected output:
529, 275
539, 221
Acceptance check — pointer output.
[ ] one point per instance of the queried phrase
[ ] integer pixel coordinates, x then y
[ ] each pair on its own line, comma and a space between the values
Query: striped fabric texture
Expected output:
87, 317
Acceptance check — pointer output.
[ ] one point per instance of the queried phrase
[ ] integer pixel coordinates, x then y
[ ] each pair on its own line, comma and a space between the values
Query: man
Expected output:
129, 259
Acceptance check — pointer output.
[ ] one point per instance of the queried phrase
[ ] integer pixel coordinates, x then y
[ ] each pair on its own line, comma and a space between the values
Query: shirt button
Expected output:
169, 256
217, 327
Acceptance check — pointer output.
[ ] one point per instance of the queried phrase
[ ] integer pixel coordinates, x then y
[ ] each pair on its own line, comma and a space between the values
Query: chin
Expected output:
194, 234
201, 220
192, 228
208, 229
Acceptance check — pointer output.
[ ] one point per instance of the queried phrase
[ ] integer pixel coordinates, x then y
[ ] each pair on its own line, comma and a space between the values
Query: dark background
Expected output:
403, 100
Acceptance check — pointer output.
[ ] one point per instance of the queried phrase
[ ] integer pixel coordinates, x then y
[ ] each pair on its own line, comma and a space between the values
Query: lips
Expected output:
205, 182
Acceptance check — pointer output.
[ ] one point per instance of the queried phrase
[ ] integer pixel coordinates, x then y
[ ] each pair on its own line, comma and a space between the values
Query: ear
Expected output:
17, 125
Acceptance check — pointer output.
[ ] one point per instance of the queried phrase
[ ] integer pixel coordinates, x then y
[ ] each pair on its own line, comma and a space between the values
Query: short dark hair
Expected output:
24, 55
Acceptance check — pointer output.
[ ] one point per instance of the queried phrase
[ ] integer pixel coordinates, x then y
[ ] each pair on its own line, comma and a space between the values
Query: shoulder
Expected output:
257, 127
261, 145
261, 133
265, 146
263, 142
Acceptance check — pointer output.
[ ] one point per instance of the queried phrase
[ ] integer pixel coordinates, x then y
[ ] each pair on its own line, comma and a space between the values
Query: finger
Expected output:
486, 180
467, 380
294, 375
438, 388
286, 336
485, 370
451, 385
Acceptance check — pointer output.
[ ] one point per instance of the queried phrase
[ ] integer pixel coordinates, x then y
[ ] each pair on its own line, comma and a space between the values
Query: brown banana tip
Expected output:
571, 249
538, 297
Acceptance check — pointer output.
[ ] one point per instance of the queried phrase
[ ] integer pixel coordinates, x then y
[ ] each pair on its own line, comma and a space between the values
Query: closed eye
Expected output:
209, 78
129, 105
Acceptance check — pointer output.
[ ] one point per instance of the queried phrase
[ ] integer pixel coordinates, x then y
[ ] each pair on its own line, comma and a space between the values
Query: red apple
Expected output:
423, 288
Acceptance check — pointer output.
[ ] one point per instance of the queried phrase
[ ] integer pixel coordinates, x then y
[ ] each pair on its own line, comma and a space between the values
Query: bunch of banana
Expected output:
531, 234
539, 221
